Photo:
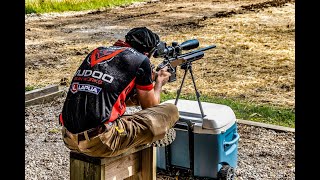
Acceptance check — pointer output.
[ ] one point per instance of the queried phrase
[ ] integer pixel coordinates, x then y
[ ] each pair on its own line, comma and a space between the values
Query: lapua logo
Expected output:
75, 87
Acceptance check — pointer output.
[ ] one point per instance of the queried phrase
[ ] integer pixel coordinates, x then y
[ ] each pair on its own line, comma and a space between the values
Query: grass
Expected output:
46, 6
246, 110
29, 88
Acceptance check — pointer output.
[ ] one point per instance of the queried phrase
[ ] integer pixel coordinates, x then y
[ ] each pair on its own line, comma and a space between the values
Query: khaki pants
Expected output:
143, 127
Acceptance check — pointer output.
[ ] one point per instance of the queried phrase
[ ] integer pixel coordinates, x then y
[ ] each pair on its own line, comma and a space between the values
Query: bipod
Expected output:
186, 67
169, 167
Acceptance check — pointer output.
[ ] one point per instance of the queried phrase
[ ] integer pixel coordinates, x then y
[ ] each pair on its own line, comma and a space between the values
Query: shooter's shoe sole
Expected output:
169, 137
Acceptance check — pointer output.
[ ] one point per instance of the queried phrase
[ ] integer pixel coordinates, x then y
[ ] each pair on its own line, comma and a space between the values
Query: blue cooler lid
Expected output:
218, 117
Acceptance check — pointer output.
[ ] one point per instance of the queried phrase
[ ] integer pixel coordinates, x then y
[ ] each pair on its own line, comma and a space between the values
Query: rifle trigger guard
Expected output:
172, 69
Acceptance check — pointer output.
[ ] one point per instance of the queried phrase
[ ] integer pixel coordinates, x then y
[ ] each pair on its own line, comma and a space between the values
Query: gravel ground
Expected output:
262, 153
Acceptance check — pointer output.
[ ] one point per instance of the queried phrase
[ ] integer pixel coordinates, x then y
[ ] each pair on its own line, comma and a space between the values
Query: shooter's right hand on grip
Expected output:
162, 76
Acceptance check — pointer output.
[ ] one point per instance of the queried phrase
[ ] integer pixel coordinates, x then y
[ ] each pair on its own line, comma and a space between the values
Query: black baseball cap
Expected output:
142, 39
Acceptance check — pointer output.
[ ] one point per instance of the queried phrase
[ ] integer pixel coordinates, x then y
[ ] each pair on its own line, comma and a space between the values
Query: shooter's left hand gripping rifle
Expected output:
173, 57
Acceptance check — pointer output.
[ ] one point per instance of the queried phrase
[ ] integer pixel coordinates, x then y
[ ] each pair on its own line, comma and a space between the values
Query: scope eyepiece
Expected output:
162, 50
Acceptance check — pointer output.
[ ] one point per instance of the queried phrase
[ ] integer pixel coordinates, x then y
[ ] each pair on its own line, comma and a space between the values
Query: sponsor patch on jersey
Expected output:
75, 87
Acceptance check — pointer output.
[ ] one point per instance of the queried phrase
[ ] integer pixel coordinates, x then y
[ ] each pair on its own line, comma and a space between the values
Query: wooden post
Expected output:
148, 165
84, 167
136, 164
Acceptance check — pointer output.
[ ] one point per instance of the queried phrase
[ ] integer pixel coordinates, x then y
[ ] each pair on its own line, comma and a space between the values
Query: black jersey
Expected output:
102, 84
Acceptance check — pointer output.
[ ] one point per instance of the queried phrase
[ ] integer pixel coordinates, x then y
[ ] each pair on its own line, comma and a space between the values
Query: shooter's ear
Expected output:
147, 54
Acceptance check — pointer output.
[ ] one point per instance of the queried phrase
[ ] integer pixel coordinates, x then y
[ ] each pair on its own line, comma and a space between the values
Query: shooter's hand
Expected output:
162, 76
154, 74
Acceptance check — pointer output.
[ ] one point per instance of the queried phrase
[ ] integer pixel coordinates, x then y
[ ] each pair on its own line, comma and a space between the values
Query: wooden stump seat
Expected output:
136, 164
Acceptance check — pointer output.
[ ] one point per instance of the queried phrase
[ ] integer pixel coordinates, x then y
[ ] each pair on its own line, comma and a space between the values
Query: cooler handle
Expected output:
229, 143
233, 141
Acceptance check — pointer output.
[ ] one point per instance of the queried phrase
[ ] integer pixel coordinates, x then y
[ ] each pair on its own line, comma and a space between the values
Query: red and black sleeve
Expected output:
144, 76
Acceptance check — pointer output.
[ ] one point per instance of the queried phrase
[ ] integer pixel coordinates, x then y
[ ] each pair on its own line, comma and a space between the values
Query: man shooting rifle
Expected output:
109, 79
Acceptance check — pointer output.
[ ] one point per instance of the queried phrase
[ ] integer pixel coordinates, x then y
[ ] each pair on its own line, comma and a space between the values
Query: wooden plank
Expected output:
134, 177
131, 151
148, 164
81, 170
41, 92
267, 126
46, 98
86, 158
124, 167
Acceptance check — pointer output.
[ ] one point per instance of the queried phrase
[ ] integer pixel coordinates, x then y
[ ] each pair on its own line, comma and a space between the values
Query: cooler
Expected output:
204, 147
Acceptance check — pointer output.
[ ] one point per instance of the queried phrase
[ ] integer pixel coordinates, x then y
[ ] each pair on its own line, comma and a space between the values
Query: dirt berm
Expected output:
253, 60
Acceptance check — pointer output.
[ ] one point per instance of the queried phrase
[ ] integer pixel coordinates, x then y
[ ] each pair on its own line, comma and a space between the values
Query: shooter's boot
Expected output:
169, 137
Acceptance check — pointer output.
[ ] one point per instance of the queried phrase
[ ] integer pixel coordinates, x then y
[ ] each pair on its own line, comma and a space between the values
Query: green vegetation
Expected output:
54, 131
45, 6
29, 88
247, 110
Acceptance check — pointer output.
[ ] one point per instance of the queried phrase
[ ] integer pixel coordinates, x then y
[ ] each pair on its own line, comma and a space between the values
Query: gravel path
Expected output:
262, 154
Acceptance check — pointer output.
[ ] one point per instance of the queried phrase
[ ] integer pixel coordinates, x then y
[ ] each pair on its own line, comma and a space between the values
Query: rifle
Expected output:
173, 57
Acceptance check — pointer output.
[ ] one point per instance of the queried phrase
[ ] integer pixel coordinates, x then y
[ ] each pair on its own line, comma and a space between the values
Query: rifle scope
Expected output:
162, 50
